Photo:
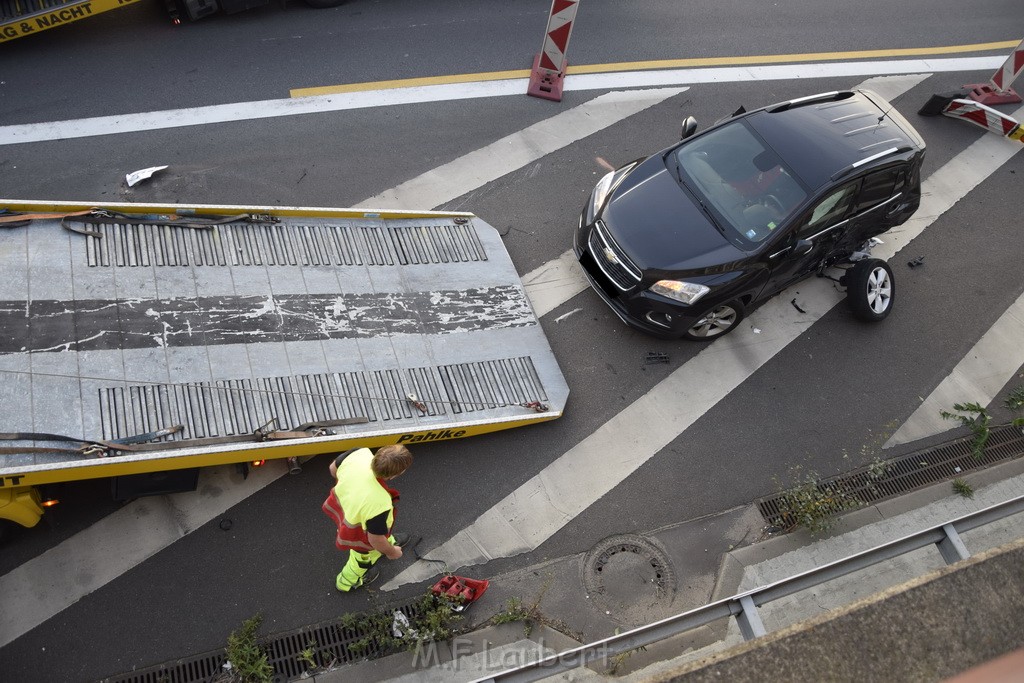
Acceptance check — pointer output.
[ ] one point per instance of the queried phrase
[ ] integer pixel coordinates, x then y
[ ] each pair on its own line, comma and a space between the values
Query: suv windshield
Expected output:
743, 179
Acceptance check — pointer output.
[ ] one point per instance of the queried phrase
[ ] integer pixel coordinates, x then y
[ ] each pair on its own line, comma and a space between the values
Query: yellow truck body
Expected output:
25, 17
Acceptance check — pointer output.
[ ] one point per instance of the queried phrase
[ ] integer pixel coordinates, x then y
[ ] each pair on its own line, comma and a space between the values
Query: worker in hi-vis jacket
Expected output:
363, 507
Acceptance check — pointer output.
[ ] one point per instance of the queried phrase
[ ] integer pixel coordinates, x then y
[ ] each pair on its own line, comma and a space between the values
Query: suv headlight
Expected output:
683, 292
604, 188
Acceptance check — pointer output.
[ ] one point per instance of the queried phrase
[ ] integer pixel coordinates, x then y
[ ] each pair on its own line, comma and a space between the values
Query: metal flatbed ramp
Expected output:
165, 337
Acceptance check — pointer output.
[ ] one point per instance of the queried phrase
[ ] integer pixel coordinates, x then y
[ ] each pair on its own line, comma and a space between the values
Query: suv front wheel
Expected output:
718, 321
870, 289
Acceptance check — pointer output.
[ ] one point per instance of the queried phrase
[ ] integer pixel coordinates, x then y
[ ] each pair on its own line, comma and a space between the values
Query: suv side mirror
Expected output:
689, 127
801, 247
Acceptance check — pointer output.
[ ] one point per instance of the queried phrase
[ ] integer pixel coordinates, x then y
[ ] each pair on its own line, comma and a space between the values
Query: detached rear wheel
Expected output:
720, 320
870, 289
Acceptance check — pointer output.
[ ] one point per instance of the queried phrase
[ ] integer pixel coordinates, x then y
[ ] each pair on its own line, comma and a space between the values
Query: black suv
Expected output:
684, 242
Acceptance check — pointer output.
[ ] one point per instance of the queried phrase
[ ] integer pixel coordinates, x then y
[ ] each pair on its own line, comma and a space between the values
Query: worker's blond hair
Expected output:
391, 461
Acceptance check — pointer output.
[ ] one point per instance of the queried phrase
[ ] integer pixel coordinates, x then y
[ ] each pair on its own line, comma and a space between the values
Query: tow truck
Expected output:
25, 17
142, 343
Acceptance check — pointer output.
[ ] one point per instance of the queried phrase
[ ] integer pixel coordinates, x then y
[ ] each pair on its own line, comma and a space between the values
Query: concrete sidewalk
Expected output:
633, 580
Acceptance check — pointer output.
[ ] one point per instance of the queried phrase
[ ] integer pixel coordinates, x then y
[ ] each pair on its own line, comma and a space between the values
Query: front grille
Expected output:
609, 258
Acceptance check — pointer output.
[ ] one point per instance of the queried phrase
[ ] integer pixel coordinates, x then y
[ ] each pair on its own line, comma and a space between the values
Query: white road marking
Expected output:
986, 368
891, 87
515, 151
247, 111
535, 511
667, 77
552, 284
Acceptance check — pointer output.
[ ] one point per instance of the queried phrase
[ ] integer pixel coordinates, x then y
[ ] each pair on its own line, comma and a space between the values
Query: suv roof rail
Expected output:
821, 97
866, 160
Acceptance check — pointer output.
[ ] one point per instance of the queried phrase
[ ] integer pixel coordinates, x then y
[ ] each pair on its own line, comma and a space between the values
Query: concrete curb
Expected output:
463, 658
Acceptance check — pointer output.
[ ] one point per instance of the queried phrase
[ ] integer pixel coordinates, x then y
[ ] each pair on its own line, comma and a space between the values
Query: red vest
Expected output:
352, 536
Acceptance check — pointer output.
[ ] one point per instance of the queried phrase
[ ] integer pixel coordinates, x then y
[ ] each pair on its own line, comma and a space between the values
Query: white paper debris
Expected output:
136, 177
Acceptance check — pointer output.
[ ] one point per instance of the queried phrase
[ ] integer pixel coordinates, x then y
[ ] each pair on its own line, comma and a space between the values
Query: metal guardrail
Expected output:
744, 606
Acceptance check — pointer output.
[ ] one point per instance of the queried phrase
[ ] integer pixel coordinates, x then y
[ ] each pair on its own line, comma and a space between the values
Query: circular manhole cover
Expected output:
628, 578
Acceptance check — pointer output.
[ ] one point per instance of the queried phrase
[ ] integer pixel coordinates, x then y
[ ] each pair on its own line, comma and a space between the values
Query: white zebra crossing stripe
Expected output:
986, 369
515, 151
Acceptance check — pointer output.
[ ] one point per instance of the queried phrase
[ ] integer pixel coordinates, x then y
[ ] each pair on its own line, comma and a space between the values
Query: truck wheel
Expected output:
870, 289
324, 4
720, 320
197, 9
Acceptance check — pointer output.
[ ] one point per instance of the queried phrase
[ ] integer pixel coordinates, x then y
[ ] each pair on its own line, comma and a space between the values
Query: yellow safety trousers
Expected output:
355, 569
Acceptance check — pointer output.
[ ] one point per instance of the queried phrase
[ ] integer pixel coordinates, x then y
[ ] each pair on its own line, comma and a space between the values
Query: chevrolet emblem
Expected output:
610, 256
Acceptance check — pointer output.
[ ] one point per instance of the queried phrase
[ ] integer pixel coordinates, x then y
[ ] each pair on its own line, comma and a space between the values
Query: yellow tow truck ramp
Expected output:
141, 339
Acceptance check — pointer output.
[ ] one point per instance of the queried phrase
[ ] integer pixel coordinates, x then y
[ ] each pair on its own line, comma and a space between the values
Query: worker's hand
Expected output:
385, 547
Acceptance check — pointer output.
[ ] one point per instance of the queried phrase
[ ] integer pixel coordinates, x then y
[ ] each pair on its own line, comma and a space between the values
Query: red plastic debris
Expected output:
460, 589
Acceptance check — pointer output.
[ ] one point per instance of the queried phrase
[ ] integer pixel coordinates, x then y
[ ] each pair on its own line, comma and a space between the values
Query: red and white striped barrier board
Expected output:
998, 90
984, 116
549, 65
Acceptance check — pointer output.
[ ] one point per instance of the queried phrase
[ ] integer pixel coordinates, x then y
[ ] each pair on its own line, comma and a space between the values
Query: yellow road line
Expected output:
657, 64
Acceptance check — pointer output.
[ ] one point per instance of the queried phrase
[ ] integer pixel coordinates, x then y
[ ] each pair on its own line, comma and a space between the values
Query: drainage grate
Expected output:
332, 643
909, 472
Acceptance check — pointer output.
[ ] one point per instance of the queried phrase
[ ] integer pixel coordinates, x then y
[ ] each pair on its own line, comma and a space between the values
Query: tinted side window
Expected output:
830, 210
878, 187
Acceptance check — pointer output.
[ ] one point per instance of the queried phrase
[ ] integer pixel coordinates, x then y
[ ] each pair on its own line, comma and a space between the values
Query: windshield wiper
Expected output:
700, 202
697, 196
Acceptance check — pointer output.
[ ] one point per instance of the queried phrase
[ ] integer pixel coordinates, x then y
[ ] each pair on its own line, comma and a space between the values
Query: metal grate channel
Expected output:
332, 643
275, 244
236, 407
906, 473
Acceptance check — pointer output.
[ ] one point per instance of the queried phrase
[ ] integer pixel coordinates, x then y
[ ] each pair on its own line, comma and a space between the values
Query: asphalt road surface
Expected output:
826, 399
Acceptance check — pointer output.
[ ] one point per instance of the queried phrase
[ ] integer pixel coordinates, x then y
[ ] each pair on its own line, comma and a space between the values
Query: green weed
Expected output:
249, 663
961, 487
